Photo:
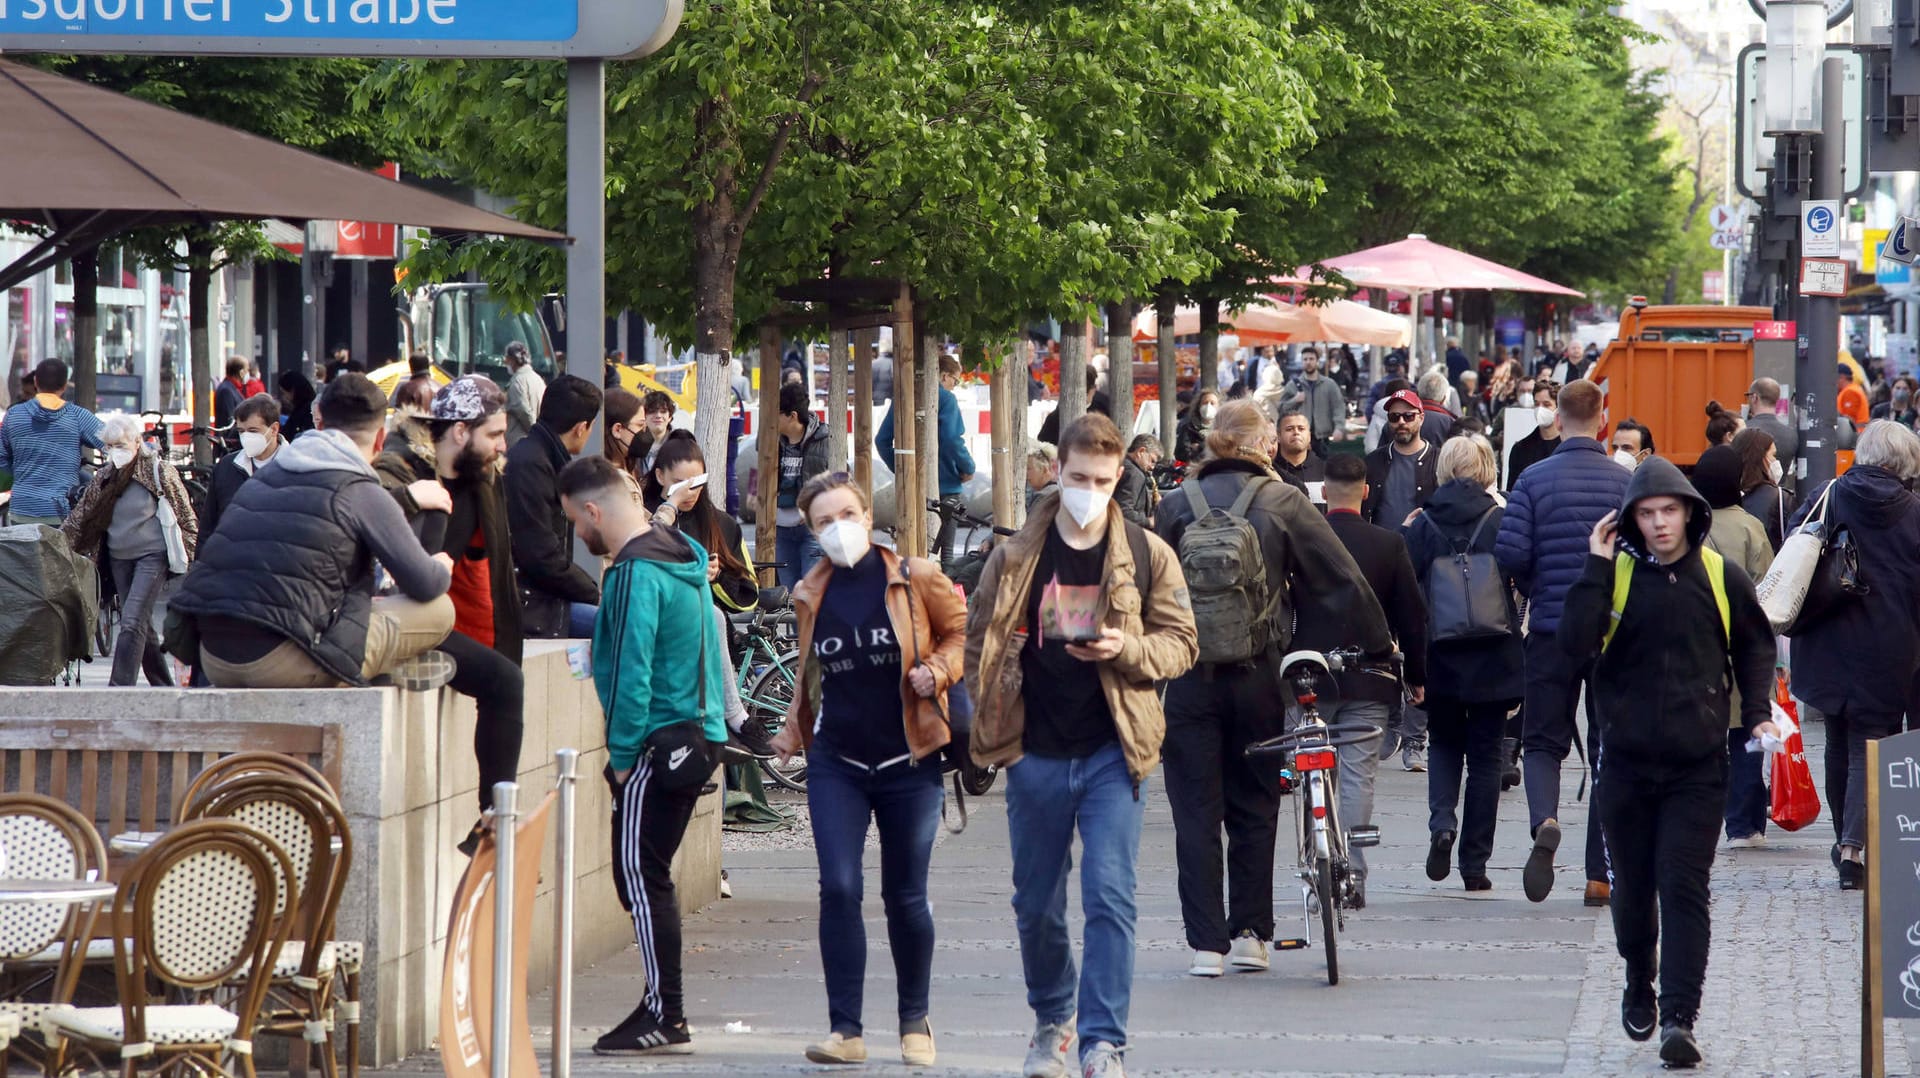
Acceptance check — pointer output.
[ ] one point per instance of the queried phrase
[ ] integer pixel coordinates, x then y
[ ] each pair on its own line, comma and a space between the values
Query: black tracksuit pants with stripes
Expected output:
648, 824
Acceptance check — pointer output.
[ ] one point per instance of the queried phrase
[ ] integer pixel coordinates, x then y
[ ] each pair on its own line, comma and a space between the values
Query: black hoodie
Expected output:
1660, 689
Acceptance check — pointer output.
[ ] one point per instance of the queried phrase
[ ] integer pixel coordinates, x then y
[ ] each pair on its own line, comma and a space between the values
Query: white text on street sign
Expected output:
1823, 277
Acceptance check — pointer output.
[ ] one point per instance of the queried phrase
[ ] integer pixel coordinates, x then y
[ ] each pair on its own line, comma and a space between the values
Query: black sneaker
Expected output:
1510, 769
1677, 1046
1440, 856
643, 1034
467, 846
1853, 875
753, 737
1637, 1011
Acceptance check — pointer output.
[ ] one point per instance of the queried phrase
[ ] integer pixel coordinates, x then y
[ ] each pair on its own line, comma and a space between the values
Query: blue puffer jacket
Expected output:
1549, 520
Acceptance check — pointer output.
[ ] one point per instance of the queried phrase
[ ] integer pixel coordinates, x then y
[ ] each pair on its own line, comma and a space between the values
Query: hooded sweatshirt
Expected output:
648, 670
1660, 688
40, 443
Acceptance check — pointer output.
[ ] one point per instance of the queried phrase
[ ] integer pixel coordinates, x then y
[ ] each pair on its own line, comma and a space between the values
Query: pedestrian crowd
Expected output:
417, 537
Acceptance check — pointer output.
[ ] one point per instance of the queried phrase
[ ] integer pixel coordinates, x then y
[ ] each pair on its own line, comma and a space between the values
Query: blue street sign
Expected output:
475, 28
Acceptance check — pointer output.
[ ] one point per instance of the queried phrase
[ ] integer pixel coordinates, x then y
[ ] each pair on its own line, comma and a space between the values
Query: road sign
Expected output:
1723, 217
1820, 228
1902, 241
1753, 151
1730, 240
1837, 10
1713, 286
1823, 277
467, 28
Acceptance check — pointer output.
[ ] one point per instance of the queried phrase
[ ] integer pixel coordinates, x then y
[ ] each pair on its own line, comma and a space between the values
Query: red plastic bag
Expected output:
1795, 801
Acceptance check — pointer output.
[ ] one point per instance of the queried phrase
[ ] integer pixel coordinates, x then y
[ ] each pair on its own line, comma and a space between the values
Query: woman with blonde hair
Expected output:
1471, 683
1227, 701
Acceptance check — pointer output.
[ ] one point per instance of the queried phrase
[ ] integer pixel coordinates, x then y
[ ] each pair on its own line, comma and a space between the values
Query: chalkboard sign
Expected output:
1895, 844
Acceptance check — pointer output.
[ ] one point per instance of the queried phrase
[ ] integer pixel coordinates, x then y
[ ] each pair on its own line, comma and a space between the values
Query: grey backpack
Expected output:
1226, 571
1466, 592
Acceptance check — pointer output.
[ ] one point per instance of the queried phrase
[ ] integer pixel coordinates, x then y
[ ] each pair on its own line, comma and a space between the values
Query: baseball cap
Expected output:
1407, 397
464, 399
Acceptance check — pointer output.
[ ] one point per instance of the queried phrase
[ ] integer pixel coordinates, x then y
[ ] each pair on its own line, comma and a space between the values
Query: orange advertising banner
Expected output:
466, 990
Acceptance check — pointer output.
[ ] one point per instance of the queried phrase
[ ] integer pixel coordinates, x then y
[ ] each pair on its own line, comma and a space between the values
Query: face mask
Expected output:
1625, 459
120, 457
253, 444
1207, 412
1544, 417
845, 542
1083, 505
1775, 471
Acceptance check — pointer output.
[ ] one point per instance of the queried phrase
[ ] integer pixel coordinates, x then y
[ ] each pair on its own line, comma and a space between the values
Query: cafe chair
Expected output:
44, 945
199, 912
253, 762
311, 828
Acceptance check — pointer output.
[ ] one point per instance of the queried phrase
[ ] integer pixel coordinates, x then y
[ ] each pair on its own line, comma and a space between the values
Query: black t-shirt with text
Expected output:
860, 667
1067, 713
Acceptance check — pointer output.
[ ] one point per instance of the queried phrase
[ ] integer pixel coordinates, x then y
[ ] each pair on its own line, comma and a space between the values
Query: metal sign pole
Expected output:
567, 766
505, 817
587, 224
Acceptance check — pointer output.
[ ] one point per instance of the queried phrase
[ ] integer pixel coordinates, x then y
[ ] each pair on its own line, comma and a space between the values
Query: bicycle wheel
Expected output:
768, 699
1323, 884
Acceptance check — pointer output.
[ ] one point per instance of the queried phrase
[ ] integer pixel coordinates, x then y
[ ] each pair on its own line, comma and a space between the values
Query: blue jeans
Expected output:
580, 619
1747, 803
1046, 799
905, 801
796, 549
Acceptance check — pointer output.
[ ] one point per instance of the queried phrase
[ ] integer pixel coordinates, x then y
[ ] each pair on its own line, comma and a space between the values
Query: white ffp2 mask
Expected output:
1083, 505
253, 444
845, 542
120, 457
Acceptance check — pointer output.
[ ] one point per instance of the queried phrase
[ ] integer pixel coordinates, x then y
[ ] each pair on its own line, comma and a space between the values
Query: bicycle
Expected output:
197, 477
1312, 747
964, 568
768, 669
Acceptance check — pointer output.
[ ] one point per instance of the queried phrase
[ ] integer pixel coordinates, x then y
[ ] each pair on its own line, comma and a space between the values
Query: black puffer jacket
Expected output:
1660, 688
542, 537
1474, 671
1863, 657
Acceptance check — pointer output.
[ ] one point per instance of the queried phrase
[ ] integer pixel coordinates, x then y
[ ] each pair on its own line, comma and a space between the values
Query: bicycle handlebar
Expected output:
1338, 735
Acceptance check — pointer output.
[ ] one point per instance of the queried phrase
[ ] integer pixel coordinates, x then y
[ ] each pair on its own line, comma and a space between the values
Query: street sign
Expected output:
1753, 150
1723, 217
464, 28
1775, 331
1837, 10
1730, 240
1820, 228
1713, 286
1901, 242
1823, 277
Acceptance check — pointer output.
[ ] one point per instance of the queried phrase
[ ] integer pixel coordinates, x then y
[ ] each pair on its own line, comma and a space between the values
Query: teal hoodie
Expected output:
656, 617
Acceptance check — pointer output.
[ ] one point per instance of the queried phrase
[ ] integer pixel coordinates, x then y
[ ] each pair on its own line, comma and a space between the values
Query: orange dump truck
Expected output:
1668, 362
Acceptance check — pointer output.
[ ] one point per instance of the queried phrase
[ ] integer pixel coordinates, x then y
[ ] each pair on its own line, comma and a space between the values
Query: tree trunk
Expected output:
716, 255
200, 254
1006, 473
1166, 306
1073, 371
766, 433
909, 499
1209, 341
1120, 361
840, 351
863, 410
86, 330
927, 416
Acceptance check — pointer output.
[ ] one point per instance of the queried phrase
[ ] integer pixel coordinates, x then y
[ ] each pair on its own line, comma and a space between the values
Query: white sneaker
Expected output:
1208, 964
1047, 1052
1249, 953
1747, 842
1102, 1061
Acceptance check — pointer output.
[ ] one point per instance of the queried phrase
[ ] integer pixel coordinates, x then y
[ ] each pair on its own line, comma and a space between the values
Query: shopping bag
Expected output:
1796, 803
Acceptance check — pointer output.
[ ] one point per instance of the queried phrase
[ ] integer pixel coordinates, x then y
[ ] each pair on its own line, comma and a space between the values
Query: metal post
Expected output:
1820, 329
566, 766
587, 224
504, 818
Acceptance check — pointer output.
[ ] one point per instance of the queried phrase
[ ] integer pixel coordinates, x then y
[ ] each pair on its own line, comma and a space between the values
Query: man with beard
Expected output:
461, 445
1320, 398
662, 695
1404, 470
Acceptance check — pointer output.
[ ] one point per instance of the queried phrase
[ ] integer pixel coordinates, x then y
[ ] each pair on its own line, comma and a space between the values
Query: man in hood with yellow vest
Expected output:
1674, 626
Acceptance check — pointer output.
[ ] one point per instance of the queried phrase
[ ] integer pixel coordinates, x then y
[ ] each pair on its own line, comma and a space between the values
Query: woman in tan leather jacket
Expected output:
881, 640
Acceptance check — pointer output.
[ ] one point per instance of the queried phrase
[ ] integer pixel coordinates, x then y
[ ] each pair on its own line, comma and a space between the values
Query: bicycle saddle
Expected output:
773, 598
1296, 663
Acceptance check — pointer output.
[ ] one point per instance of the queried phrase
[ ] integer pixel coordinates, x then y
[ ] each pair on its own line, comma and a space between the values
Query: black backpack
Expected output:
1467, 592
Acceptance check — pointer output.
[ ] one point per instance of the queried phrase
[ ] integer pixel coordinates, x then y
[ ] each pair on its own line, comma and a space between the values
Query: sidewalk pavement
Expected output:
1433, 981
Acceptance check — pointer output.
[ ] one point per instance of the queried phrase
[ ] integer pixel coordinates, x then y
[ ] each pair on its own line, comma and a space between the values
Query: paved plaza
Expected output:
1433, 982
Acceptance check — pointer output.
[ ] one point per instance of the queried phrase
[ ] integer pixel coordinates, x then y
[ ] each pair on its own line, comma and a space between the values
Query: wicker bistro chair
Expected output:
242, 764
196, 911
304, 821
43, 947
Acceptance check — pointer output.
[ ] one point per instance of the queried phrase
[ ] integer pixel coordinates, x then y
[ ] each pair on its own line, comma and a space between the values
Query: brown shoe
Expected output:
1598, 894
